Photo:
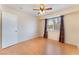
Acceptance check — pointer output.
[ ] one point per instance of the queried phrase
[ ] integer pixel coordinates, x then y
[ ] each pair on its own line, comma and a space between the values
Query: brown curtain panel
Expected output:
62, 36
45, 30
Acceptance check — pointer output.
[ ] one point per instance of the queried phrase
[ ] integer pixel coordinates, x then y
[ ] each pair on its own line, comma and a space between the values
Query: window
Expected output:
53, 24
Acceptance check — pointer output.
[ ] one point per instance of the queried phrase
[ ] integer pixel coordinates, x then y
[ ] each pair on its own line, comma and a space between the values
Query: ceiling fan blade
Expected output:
48, 9
36, 9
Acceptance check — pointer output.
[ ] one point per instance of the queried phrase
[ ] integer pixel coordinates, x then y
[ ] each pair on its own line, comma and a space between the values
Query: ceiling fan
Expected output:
42, 9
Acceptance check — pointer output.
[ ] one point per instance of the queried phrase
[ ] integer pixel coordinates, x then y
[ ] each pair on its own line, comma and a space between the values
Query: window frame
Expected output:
54, 19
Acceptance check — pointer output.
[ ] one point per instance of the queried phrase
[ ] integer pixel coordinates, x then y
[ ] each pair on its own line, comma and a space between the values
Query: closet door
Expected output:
9, 29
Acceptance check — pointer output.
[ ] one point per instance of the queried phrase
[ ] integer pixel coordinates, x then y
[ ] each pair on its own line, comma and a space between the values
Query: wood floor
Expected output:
40, 46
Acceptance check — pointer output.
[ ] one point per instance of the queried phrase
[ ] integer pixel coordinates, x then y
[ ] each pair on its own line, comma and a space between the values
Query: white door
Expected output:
9, 29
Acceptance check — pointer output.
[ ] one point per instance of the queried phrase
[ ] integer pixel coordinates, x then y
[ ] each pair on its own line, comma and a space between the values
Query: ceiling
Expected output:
29, 7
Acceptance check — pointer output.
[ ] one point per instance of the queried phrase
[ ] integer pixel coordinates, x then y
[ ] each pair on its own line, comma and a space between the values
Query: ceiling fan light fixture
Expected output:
42, 6
42, 9
42, 12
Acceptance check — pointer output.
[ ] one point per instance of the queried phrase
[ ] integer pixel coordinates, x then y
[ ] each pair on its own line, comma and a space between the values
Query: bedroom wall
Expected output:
0, 30
27, 24
54, 35
71, 23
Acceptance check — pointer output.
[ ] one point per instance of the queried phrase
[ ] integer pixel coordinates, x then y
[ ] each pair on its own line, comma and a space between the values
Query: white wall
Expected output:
42, 24
0, 31
27, 27
53, 35
71, 23
27, 24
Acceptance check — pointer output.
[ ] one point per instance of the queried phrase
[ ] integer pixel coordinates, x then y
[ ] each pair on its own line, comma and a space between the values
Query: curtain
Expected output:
45, 30
61, 37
